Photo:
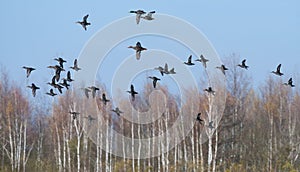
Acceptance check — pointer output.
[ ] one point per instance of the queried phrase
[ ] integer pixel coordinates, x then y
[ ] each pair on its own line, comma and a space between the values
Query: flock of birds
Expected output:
140, 14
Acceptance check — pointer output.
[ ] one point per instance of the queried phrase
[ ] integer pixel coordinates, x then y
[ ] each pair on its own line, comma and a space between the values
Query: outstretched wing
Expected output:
244, 62
138, 18
85, 18
278, 68
166, 67
190, 59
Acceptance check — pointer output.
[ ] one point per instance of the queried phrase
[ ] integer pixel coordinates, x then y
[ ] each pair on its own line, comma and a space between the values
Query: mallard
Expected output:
203, 60
199, 118
61, 61
117, 111
243, 65
138, 49
103, 99
132, 92
33, 87
155, 79
65, 83
138, 13
160, 69
222, 68
189, 62
74, 114
84, 22
58, 70
69, 79
210, 125
209, 90
290, 83
75, 67
277, 72
94, 89
51, 93
148, 16
53, 84
28, 70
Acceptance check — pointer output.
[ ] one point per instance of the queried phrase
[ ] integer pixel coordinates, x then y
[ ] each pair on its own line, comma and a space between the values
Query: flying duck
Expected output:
203, 60
189, 62
84, 22
28, 70
138, 49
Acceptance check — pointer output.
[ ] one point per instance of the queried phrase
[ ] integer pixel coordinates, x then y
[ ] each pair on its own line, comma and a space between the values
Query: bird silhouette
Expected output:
53, 84
75, 66
28, 70
90, 118
189, 62
155, 79
84, 22
148, 16
93, 89
132, 92
290, 83
209, 90
51, 93
139, 14
61, 61
277, 72
74, 114
69, 78
86, 92
33, 87
160, 69
243, 65
167, 71
138, 49
210, 125
104, 99
65, 83
58, 70
202, 60
117, 111
222, 68
199, 118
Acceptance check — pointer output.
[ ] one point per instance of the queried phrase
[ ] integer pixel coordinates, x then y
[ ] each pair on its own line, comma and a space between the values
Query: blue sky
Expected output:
266, 33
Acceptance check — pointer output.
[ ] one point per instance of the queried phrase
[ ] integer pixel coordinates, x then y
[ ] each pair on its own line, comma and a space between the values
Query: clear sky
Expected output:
266, 33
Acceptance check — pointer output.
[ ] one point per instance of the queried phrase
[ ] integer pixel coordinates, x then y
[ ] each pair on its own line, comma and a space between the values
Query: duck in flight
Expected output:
28, 70
278, 72
86, 92
104, 99
94, 89
33, 87
155, 79
166, 70
84, 22
117, 111
243, 65
65, 83
189, 62
148, 16
222, 68
53, 84
139, 14
290, 83
74, 114
209, 90
199, 118
132, 92
210, 125
69, 78
61, 61
51, 93
58, 70
90, 118
160, 69
203, 60
138, 49
75, 67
